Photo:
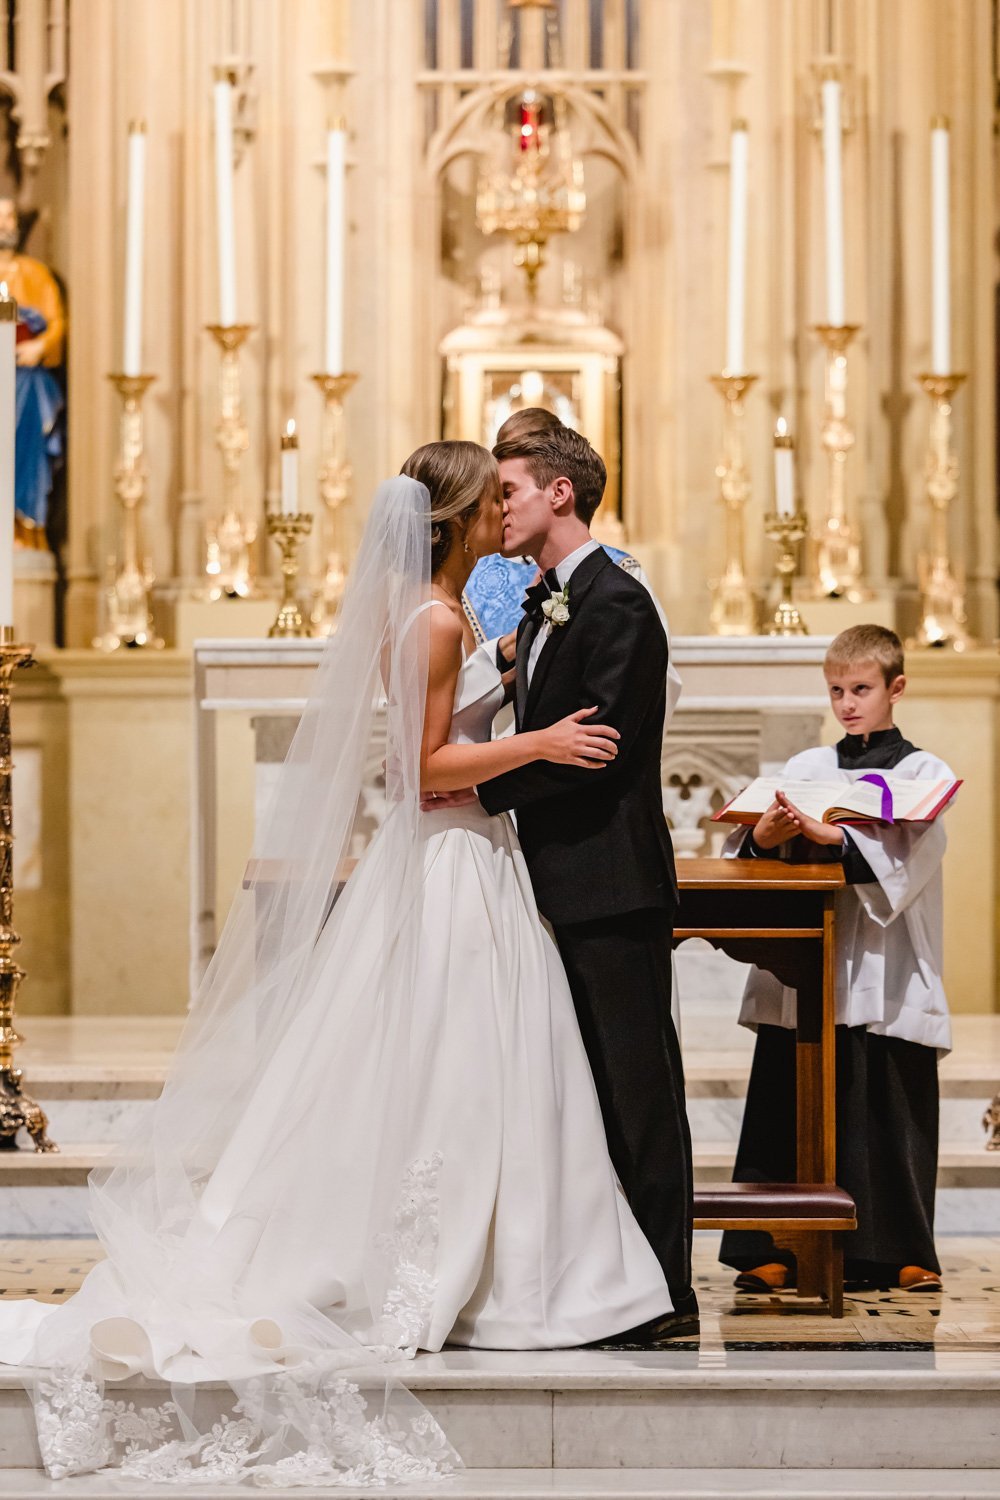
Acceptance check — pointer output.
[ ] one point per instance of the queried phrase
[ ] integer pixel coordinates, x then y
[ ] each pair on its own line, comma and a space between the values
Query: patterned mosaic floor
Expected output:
965, 1316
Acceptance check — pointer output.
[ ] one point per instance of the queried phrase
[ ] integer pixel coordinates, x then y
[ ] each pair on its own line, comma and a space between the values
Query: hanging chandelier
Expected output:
532, 188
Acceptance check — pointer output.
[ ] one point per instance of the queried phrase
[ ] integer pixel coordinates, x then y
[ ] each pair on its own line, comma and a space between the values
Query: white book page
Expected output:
911, 796
813, 798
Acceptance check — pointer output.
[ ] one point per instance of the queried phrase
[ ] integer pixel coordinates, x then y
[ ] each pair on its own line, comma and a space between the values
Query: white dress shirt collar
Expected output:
566, 568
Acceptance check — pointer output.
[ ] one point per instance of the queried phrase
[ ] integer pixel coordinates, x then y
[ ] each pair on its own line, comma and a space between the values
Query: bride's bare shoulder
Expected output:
445, 632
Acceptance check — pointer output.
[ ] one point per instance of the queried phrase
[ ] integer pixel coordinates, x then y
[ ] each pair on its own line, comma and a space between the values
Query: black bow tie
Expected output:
538, 593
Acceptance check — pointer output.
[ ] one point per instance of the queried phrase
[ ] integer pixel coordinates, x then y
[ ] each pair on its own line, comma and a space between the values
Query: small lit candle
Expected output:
132, 353
225, 211
940, 250
833, 192
8, 420
784, 470
289, 471
736, 301
336, 228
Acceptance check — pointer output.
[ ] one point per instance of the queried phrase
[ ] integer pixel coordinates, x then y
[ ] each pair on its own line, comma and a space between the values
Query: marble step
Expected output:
708, 1075
715, 1118
591, 1410
583, 1484
46, 1195
959, 1165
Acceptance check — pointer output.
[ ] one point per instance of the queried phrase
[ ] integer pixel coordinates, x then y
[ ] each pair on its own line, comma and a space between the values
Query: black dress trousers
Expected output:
619, 975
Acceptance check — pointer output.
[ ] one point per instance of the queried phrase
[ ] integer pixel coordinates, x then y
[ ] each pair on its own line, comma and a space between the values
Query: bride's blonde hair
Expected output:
457, 475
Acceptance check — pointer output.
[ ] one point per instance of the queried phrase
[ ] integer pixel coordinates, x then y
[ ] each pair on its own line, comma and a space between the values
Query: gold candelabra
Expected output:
335, 476
129, 622
838, 545
17, 1111
734, 608
289, 531
786, 531
942, 605
231, 537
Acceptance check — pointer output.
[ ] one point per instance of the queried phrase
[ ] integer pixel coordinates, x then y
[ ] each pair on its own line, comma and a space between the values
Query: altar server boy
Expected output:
892, 1015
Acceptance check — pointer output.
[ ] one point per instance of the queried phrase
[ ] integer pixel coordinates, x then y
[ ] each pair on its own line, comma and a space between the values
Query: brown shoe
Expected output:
769, 1278
916, 1279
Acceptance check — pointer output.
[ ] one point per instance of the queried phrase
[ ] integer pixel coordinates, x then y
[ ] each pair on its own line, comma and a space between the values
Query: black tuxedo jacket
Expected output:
596, 842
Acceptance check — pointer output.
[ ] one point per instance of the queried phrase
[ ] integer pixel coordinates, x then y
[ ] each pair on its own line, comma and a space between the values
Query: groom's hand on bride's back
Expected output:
573, 742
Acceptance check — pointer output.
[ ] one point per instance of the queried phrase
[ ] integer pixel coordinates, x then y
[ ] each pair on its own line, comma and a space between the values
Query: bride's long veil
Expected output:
225, 1248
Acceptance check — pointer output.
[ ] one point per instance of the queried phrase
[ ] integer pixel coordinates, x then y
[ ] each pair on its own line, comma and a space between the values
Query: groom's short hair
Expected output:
561, 453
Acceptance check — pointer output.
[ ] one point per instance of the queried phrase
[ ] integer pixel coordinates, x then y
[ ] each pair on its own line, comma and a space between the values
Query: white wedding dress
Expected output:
508, 1229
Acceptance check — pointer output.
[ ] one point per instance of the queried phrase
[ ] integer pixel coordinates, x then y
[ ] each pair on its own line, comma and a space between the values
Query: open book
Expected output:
873, 798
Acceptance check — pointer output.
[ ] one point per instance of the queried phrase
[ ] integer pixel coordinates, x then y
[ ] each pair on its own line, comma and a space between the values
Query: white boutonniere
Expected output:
556, 607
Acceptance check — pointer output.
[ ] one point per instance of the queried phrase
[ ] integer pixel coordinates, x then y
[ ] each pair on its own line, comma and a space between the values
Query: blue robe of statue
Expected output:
38, 445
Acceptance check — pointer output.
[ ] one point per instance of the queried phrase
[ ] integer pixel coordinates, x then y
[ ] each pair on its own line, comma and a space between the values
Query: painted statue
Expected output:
41, 338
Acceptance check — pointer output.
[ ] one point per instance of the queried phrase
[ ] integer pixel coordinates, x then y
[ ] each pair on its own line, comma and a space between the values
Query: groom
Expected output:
596, 842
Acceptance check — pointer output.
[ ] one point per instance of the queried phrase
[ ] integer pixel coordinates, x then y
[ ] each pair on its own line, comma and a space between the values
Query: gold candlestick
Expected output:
129, 620
17, 1111
942, 605
288, 531
734, 608
230, 538
335, 476
786, 531
838, 543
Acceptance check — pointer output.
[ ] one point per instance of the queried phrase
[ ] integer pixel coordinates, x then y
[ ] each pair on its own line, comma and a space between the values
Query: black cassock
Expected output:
887, 1111
598, 850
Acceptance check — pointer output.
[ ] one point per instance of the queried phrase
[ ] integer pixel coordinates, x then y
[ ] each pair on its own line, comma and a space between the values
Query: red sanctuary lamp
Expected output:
531, 111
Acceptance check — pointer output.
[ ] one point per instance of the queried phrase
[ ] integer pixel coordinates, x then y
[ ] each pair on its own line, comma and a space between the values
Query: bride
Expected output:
379, 1133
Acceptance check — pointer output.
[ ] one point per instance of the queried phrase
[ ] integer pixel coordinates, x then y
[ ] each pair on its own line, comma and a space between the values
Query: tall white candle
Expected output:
833, 195
289, 471
8, 400
132, 353
736, 301
336, 228
225, 212
940, 250
784, 470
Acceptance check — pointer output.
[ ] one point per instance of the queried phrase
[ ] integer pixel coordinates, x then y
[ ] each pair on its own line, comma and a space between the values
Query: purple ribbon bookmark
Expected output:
877, 780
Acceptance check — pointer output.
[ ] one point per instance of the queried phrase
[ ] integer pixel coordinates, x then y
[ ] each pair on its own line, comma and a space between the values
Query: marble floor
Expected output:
964, 1318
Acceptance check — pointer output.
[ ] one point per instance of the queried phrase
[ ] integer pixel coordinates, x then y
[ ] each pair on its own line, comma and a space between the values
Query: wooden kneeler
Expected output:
794, 1212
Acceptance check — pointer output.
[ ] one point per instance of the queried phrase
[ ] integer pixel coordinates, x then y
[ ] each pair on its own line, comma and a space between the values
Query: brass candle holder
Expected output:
838, 544
129, 622
230, 539
942, 603
17, 1110
734, 608
289, 531
335, 475
786, 531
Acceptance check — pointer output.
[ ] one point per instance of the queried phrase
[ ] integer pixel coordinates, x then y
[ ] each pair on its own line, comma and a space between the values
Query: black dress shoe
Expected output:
682, 1322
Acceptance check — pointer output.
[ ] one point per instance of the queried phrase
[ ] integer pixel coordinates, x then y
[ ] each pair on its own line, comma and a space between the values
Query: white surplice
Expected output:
889, 934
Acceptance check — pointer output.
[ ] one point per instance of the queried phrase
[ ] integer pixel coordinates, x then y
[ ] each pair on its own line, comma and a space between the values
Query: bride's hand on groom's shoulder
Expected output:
573, 742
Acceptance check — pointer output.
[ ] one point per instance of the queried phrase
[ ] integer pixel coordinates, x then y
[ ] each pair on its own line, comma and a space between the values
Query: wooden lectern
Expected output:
780, 917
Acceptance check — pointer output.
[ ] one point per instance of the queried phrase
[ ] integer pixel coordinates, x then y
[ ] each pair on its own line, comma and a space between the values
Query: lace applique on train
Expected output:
312, 1409
412, 1252
322, 1413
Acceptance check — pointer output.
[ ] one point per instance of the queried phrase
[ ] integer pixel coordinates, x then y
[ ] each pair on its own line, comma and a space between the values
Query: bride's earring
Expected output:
465, 546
